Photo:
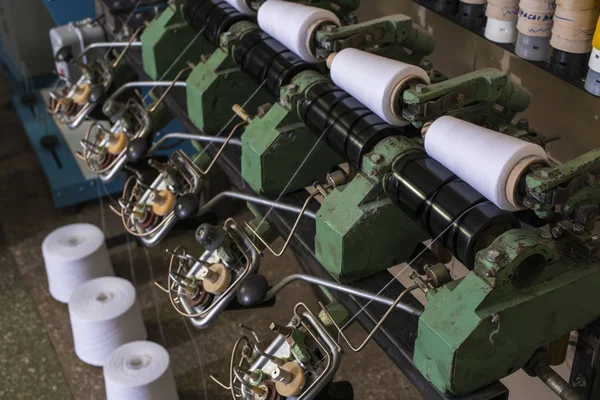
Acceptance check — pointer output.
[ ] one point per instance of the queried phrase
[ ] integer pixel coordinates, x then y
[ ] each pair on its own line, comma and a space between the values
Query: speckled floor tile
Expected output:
29, 367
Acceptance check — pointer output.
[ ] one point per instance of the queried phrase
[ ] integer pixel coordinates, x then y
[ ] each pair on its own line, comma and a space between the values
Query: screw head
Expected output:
523, 123
493, 255
578, 228
291, 88
595, 238
546, 236
591, 179
421, 88
557, 232
376, 158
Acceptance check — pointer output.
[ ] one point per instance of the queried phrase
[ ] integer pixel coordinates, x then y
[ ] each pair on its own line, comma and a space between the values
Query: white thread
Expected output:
373, 80
481, 157
74, 254
294, 25
104, 315
139, 371
241, 6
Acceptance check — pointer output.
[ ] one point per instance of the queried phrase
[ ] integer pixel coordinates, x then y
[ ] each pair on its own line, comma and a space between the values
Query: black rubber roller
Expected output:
212, 17
266, 59
348, 126
447, 207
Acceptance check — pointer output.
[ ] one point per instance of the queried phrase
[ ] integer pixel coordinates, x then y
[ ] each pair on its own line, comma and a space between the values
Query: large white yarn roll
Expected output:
139, 371
373, 80
104, 315
481, 157
294, 25
74, 254
241, 6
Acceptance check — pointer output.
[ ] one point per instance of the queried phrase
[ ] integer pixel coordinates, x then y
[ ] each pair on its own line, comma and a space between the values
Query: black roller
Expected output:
266, 59
212, 17
447, 206
347, 125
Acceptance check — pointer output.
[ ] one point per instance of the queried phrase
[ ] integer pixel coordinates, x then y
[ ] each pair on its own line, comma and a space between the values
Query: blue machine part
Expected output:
65, 11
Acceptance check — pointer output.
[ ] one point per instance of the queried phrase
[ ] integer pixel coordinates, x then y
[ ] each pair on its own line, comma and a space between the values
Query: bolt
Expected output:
578, 228
546, 236
495, 318
591, 179
281, 330
595, 238
291, 88
376, 158
545, 172
421, 88
580, 381
528, 202
493, 255
557, 232
523, 124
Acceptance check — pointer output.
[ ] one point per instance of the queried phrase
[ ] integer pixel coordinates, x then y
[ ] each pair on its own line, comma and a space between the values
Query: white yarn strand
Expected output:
139, 371
294, 25
104, 315
241, 6
481, 157
73, 255
373, 80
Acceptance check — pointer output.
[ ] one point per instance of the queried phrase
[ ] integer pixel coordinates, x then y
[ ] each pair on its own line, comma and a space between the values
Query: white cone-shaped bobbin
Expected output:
294, 25
481, 157
104, 315
73, 255
139, 371
241, 6
374, 80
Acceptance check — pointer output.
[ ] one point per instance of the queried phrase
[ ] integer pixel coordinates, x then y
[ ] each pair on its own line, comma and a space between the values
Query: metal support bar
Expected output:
254, 199
341, 288
191, 136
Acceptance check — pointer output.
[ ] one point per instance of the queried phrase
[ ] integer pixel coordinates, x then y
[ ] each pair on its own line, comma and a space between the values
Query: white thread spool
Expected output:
294, 25
241, 6
139, 371
104, 315
375, 81
74, 254
487, 160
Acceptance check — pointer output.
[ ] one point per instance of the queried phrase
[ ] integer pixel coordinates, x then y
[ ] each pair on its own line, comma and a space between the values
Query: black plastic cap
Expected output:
137, 150
253, 290
187, 206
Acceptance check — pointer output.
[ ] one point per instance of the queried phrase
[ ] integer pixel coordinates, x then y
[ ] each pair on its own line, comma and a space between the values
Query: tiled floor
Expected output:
37, 361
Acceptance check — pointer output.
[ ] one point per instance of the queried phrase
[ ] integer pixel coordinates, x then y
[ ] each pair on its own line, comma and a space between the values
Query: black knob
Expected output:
210, 236
96, 94
137, 149
253, 290
187, 206
64, 54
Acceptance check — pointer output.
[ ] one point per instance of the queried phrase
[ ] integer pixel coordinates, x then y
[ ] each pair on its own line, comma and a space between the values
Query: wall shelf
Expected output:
544, 65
